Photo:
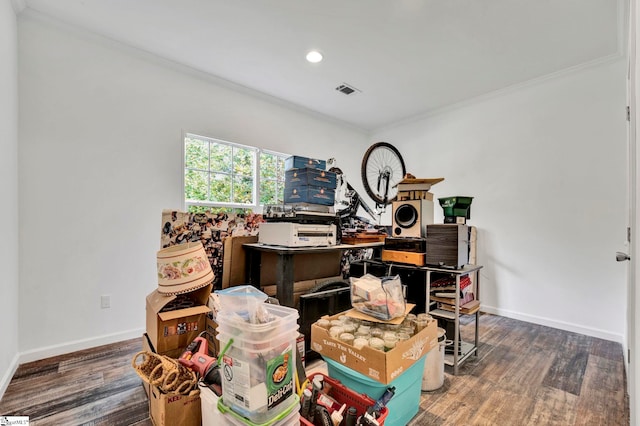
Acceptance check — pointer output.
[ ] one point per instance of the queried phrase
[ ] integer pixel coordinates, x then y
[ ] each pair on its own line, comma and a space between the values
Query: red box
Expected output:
344, 395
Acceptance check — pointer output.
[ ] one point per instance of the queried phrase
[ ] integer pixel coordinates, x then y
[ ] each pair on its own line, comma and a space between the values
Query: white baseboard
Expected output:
548, 322
78, 345
8, 375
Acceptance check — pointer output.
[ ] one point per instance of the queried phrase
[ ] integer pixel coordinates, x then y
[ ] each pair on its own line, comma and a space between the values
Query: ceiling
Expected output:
408, 58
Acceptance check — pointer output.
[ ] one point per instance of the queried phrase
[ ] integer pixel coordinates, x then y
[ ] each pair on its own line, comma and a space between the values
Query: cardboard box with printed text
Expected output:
381, 366
175, 409
170, 332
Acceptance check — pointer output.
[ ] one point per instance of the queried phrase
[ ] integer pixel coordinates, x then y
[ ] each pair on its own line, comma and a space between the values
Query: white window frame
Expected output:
255, 205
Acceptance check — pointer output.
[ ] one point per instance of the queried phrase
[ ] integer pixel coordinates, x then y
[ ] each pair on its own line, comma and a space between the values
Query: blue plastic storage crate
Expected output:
309, 176
406, 400
297, 162
309, 194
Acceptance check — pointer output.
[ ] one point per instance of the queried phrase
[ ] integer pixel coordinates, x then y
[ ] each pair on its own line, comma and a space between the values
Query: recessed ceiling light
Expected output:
314, 56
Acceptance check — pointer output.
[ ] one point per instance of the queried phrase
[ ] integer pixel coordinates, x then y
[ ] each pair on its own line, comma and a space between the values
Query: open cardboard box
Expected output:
234, 265
381, 366
415, 184
167, 410
171, 332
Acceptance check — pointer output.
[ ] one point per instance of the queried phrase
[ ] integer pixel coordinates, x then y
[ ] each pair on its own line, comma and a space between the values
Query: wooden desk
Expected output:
285, 264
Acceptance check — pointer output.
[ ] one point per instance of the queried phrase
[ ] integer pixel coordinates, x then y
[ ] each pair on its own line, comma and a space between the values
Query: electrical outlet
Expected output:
105, 301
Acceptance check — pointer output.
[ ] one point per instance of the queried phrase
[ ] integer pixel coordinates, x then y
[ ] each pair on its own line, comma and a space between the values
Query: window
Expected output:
223, 176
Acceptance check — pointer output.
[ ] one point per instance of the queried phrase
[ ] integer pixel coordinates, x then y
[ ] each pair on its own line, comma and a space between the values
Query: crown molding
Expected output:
169, 63
621, 53
504, 91
19, 5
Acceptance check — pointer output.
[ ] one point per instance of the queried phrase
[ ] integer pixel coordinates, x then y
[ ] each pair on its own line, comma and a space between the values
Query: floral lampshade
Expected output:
183, 268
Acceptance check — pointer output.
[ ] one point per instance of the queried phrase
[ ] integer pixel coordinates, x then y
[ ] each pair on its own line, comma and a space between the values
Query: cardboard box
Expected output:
307, 266
415, 195
413, 184
175, 409
473, 250
383, 367
235, 259
171, 332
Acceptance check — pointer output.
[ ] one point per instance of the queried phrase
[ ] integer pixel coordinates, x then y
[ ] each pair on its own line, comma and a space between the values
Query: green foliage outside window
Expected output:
271, 179
217, 172
216, 210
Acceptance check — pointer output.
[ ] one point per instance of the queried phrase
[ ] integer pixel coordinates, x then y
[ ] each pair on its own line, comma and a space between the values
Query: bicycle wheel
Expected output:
382, 170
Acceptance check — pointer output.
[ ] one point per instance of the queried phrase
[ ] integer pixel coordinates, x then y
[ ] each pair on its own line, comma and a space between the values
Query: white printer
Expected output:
289, 234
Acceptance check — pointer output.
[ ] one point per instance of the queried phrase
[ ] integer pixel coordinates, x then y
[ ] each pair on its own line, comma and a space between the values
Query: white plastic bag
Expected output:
382, 298
244, 301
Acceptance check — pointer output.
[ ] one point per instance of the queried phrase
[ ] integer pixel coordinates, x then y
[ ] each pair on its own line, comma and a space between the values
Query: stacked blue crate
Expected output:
306, 181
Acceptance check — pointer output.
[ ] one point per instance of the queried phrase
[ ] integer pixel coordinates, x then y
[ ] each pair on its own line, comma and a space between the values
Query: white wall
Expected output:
633, 295
100, 157
546, 165
8, 192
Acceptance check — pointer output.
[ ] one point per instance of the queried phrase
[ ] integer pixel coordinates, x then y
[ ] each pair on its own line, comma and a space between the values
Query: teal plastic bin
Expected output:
406, 400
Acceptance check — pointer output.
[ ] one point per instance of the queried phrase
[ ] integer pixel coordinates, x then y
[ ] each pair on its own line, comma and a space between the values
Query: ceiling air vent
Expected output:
347, 89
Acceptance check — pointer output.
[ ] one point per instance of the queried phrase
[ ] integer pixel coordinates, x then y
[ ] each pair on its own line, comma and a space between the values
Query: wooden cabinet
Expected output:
448, 245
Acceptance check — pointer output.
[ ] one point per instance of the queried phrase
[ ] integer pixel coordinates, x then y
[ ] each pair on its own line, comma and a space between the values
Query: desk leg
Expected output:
252, 268
284, 280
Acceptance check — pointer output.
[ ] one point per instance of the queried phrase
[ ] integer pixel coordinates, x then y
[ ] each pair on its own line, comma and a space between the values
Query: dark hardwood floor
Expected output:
525, 374
528, 374
97, 386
